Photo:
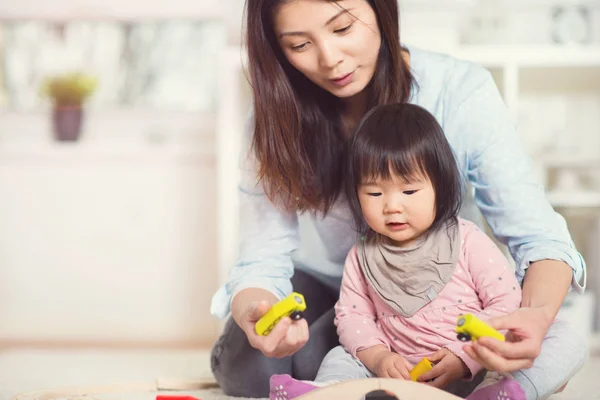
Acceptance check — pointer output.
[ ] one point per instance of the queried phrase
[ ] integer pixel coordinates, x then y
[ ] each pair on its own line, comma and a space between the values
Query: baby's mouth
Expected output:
396, 225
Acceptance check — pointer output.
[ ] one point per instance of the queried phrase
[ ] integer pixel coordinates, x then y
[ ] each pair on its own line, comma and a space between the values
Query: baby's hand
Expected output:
448, 368
392, 365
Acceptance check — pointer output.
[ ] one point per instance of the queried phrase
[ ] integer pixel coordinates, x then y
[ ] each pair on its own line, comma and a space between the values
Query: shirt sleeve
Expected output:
494, 280
512, 201
268, 236
356, 315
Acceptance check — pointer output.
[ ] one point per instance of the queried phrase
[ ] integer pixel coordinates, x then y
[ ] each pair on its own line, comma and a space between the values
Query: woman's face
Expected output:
334, 44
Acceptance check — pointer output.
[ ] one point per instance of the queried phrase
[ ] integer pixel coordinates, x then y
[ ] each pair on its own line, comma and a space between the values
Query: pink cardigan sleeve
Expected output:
356, 315
494, 280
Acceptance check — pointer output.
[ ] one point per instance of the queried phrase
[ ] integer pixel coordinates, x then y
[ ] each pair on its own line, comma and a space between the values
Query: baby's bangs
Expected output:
372, 165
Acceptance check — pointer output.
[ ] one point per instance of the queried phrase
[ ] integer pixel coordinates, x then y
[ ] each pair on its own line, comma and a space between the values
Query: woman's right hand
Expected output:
284, 340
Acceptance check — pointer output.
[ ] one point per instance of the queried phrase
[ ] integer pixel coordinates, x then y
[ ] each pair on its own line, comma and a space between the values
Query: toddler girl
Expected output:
417, 266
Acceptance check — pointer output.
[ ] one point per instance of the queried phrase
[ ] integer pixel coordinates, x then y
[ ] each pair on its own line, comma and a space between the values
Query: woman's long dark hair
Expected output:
298, 138
407, 141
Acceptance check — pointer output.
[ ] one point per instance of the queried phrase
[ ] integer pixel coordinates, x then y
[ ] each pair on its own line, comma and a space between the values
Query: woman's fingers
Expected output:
494, 362
504, 322
297, 335
302, 332
269, 344
276, 340
291, 338
285, 339
295, 338
511, 350
257, 309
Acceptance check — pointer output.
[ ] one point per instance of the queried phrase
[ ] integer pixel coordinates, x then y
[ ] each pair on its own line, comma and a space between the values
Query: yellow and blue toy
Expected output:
292, 306
469, 327
422, 366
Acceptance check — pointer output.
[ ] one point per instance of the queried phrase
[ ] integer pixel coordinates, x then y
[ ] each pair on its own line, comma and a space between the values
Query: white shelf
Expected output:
408, 6
130, 137
133, 10
532, 56
79, 155
569, 161
574, 199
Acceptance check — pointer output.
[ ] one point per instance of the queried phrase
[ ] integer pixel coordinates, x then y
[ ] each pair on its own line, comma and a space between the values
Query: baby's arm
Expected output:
493, 279
356, 315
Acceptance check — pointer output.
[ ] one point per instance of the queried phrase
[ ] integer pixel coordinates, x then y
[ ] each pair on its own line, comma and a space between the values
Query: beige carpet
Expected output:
26, 370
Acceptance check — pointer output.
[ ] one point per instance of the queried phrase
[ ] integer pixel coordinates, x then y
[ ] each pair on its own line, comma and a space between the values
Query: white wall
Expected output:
111, 239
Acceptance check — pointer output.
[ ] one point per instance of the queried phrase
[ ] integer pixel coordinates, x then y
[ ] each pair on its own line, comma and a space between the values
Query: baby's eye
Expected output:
409, 192
374, 194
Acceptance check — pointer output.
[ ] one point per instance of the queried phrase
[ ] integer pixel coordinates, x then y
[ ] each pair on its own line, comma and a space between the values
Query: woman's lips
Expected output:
344, 80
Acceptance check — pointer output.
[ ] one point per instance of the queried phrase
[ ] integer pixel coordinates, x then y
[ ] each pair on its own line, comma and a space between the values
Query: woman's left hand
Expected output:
527, 328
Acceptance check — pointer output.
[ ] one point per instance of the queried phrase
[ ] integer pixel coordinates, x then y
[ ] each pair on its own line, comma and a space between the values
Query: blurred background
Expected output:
118, 207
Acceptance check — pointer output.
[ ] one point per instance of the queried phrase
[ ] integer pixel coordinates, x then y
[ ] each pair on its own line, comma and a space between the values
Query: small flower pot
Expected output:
66, 123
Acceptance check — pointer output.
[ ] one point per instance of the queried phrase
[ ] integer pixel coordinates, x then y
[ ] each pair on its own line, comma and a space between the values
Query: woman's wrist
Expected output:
546, 285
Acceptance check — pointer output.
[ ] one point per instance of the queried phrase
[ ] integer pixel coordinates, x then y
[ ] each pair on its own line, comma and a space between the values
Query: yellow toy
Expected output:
292, 306
469, 327
422, 366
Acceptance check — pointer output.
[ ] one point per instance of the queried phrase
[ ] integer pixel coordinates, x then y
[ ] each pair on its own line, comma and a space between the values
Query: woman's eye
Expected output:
343, 30
300, 47
374, 194
409, 192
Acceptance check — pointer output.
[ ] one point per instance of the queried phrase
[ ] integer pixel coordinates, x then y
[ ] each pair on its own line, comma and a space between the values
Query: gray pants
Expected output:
243, 371
339, 366
564, 352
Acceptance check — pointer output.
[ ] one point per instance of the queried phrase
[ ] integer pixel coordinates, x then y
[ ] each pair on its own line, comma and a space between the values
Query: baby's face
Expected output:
398, 209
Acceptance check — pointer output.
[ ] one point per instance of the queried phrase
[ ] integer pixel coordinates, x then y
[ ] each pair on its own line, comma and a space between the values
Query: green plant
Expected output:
69, 90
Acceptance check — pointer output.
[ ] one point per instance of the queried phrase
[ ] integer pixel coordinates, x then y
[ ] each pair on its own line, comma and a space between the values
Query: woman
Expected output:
316, 67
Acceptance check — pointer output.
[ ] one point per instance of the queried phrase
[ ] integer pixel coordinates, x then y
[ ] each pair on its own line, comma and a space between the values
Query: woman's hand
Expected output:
527, 328
448, 368
284, 340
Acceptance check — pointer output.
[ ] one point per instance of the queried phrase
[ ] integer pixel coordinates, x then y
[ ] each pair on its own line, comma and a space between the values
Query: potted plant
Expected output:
68, 93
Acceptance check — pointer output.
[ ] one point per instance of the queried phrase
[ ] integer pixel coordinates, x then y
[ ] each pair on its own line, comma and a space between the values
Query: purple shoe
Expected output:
284, 387
506, 389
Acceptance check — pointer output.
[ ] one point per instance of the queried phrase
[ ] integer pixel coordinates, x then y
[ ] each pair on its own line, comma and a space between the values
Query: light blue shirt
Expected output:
466, 102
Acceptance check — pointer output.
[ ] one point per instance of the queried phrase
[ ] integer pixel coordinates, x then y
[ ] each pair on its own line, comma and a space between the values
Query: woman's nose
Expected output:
330, 56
